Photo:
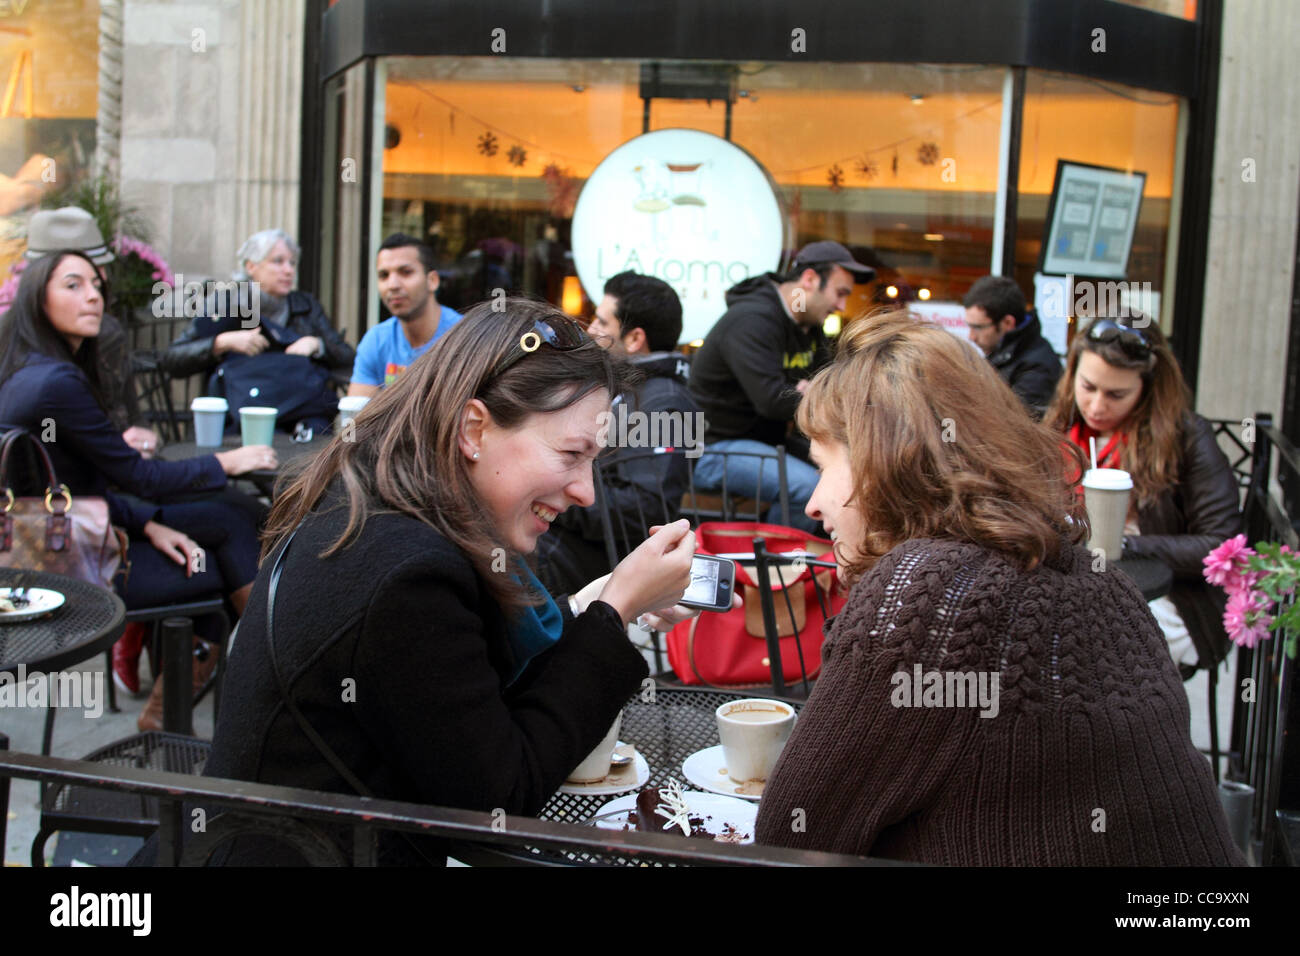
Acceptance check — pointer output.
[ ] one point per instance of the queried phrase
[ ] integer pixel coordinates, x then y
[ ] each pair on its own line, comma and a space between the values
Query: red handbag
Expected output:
730, 649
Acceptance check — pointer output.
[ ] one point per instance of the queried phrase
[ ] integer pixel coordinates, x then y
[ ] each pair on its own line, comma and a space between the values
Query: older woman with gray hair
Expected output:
261, 315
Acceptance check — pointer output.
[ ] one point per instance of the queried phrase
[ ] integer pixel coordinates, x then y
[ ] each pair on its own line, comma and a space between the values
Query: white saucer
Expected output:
717, 811
708, 769
43, 601
621, 782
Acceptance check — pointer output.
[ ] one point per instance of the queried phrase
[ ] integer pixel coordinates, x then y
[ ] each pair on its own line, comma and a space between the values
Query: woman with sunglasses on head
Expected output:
395, 622
1122, 387
986, 698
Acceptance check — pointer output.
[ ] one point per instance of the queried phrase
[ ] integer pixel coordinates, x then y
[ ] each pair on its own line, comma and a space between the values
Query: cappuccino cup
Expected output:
596, 765
1105, 496
753, 734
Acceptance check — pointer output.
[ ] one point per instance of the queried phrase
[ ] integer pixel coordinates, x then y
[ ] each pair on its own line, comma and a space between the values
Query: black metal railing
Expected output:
306, 818
1266, 716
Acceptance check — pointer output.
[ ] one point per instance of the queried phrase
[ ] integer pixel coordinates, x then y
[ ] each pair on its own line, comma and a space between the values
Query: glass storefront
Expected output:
1103, 124
485, 157
49, 84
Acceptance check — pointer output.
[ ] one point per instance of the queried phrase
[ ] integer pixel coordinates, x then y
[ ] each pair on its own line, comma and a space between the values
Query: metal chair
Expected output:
83, 809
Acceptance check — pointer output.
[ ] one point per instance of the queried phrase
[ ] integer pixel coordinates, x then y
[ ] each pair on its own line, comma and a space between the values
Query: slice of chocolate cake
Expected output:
661, 811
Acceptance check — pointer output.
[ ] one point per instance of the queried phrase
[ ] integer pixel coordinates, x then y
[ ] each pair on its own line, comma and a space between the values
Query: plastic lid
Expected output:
209, 404
1108, 479
258, 411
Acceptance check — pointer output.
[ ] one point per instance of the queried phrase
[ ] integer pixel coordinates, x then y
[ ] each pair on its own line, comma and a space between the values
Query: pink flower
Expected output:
10, 285
1226, 564
1244, 618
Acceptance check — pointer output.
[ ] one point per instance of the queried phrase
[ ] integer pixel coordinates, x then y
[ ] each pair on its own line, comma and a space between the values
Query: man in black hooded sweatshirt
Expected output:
639, 320
753, 368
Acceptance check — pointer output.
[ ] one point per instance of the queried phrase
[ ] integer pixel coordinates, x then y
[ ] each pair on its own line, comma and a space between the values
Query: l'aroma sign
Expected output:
687, 207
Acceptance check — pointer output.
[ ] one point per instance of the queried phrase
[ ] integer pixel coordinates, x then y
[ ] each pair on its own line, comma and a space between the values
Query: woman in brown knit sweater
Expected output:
988, 696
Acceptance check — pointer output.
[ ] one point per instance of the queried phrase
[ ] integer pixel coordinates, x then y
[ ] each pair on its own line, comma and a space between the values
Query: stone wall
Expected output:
1253, 210
212, 99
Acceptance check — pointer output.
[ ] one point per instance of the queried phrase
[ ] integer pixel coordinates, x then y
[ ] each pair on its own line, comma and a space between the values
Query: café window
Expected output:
49, 87
1114, 126
484, 158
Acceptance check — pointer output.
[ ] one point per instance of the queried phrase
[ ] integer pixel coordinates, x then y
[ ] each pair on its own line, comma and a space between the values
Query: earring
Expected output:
475, 456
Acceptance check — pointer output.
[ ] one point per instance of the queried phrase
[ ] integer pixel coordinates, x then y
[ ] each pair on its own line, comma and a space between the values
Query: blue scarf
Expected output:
534, 629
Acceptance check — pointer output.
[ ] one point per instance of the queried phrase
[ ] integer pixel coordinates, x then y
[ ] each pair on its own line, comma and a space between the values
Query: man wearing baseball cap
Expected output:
70, 227
754, 366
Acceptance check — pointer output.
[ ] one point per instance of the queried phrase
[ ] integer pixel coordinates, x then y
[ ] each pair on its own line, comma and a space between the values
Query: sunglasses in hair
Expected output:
563, 335
1131, 340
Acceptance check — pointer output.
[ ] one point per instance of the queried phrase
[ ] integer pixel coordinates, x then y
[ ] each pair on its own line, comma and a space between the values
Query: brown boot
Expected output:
151, 718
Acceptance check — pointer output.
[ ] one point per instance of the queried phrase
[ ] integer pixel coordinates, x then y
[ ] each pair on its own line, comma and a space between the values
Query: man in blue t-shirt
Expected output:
408, 284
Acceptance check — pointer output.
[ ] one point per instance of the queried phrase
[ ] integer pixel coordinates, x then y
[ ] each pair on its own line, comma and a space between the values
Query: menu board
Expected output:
1091, 220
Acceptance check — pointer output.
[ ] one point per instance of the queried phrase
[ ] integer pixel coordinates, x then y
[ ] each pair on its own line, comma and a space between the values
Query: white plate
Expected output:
43, 601
717, 812
603, 788
708, 769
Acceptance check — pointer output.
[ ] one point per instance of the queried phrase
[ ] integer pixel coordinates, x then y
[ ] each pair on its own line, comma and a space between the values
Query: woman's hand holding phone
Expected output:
655, 575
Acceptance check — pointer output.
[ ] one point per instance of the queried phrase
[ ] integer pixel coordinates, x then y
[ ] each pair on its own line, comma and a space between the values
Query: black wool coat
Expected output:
397, 655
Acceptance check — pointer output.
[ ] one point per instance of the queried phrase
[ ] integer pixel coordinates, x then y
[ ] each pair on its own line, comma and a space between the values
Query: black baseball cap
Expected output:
827, 251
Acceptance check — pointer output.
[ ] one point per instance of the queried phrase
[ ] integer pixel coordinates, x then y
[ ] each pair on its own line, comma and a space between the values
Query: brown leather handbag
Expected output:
56, 532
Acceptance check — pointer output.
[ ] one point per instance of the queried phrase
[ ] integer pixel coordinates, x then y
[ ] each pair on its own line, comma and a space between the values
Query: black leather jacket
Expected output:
1187, 521
191, 353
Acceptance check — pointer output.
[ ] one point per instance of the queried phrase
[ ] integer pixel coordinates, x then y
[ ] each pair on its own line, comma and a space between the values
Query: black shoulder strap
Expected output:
325, 749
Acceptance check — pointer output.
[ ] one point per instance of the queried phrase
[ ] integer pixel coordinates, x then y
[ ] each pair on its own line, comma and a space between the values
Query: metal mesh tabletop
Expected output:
87, 623
666, 727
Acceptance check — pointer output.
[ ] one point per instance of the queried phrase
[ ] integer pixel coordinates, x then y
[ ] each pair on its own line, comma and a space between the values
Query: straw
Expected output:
1092, 443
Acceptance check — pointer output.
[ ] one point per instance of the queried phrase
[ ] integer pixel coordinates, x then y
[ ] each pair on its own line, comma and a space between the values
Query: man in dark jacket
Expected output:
1014, 343
640, 320
753, 367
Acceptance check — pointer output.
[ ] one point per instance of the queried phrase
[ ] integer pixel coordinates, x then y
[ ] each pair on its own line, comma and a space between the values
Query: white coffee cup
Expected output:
349, 406
209, 420
596, 766
753, 733
1105, 496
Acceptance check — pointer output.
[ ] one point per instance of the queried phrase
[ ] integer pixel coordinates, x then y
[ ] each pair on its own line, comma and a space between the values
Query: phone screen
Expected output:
704, 582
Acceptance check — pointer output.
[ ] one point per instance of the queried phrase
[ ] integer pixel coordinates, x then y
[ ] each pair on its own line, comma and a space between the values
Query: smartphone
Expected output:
712, 581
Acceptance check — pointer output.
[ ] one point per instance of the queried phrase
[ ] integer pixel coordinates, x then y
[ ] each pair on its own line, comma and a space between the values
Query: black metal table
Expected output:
285, 448
1153, 577
87, 623
666, 725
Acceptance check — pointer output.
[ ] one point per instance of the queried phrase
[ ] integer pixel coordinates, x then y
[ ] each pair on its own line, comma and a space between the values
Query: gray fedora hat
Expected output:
69, 227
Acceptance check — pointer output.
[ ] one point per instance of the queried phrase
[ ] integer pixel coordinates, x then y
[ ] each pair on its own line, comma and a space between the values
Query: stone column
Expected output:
108, 122
1253, 209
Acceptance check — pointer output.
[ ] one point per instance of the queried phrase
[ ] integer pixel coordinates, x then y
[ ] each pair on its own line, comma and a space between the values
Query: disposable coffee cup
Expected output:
596, 765
349, 406
753, 733
1105, 495
257, 425
209, 421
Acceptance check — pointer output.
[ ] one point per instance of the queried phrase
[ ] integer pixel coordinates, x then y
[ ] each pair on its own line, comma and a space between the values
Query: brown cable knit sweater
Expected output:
1088, 759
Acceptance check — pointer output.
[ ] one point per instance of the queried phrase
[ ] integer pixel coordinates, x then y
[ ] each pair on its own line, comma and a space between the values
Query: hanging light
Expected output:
571, 297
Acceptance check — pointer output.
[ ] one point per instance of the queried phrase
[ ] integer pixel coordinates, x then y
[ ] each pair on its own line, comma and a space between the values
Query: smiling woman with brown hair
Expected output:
986, 697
